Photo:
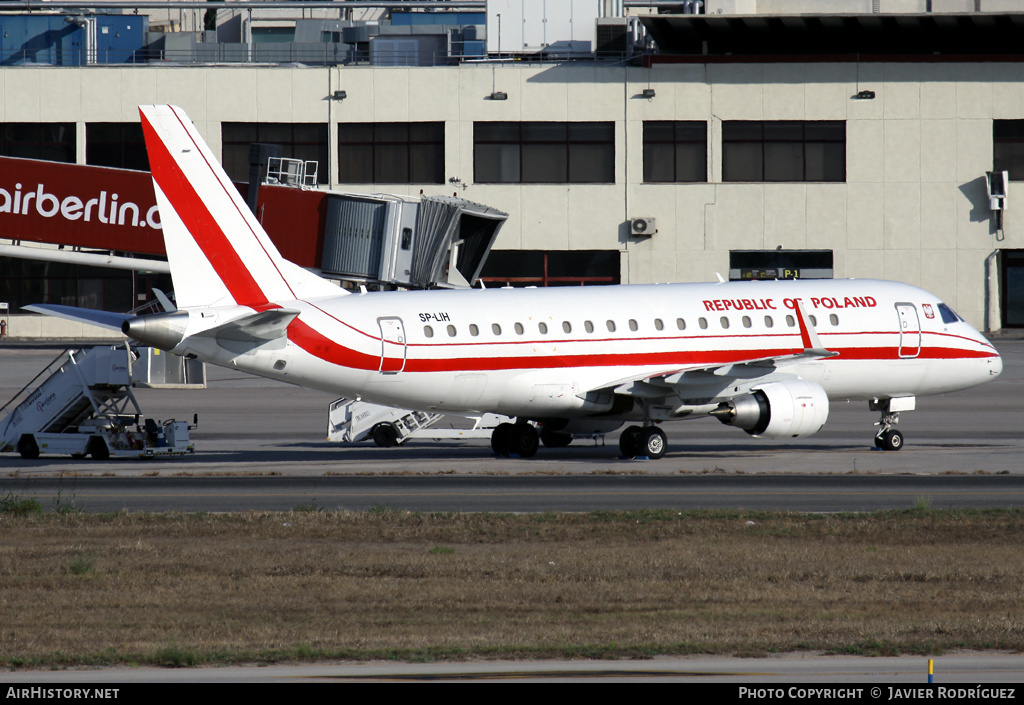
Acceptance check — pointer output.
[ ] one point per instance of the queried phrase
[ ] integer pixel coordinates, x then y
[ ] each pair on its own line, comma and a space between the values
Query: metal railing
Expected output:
309, 54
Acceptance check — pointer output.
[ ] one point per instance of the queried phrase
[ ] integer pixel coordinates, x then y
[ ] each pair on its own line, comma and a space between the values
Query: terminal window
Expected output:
305, 141
52, 141
391, 153
543, 152
1012, 281
1008, 147
551, 267
117, 144
24, 282
675, 152
787, 150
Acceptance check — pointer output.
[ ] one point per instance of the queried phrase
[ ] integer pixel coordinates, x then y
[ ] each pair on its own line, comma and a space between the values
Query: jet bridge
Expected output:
409, 242
82, 404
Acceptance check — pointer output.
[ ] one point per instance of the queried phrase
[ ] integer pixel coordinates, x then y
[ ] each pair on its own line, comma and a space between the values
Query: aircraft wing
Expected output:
104, 319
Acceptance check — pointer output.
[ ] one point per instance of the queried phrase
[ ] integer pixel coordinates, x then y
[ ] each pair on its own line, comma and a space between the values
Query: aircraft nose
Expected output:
995, 366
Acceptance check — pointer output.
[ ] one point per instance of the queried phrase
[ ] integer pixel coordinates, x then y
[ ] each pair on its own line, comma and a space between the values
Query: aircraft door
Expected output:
392, 345
910, 330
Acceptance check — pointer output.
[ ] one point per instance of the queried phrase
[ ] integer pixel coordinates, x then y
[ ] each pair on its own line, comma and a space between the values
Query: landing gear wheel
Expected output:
385, 435
525, 440
555, 439
651, 442
27, 447
97, 449
629, 441
502, 439
890, 440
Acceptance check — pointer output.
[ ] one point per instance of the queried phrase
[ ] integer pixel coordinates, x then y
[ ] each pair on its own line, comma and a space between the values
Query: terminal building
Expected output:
627, 142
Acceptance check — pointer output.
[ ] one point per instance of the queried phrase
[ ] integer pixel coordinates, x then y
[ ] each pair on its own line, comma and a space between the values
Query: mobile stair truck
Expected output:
354, 420
82, 404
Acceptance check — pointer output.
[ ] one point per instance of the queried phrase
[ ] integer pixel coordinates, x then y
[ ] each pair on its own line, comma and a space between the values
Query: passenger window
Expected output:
833, 319
496, 329
473, 330
680, 324
566, 326
428, 331
519, 329
768, 322
703, 323
724, 321
611, 326
658, 325
632, 324
543, 328
814, 321
589, 326
746, 321
451, 331
790, 321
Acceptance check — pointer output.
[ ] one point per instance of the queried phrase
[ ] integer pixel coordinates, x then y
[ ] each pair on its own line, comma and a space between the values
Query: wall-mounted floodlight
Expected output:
997, 184
648, 93
864, 95
339, 95
498, 95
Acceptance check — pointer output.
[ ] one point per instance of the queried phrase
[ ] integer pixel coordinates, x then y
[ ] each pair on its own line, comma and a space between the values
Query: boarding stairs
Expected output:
82, 403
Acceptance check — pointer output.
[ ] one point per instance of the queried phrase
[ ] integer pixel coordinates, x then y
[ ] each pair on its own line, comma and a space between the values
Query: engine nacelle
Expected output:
777, 410
158, 330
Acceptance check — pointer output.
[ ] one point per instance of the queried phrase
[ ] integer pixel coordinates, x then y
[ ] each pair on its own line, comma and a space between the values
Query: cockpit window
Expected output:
948, 316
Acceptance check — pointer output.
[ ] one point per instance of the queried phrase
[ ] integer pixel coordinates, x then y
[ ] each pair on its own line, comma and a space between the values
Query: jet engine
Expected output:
785, 409
159, 330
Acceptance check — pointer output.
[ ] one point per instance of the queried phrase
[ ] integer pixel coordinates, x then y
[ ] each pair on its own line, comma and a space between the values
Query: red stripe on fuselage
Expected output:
322, 347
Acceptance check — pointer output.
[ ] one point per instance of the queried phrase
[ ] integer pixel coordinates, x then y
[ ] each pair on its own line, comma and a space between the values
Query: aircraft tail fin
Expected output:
218, 252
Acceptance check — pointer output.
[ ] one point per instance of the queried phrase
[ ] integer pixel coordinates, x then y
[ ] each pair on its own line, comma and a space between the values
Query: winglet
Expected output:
809, 336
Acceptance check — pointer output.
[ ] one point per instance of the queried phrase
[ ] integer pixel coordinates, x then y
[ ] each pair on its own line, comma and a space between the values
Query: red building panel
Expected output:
115, 209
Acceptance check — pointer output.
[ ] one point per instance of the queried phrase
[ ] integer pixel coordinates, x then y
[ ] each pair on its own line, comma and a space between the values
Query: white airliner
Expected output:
766, 357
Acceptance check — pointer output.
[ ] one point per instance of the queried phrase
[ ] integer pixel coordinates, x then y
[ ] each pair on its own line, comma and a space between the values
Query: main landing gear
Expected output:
523, 439
887, 438
520, 438
643, 441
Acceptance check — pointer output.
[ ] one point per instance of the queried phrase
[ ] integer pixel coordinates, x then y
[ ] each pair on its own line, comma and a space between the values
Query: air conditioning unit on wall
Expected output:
642, 226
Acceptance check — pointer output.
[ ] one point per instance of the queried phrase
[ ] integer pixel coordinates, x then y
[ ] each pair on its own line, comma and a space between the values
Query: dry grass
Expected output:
182, 589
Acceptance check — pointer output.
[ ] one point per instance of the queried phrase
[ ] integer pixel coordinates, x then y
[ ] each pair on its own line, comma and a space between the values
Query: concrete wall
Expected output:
26, 326
913, 207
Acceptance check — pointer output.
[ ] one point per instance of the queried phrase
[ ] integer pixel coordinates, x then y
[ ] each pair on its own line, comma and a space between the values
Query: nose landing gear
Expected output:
888, 438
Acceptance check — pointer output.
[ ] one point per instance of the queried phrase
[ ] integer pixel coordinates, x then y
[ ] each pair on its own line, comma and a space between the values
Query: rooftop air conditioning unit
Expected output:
642, 226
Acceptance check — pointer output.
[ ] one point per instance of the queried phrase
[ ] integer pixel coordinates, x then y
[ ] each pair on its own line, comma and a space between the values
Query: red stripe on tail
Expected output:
200, 222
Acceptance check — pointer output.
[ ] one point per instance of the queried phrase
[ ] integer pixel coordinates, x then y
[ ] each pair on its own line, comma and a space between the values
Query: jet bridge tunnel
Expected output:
414, 242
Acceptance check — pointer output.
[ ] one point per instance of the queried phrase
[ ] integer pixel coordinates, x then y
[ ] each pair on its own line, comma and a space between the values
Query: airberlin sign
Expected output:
73, 208
70, 204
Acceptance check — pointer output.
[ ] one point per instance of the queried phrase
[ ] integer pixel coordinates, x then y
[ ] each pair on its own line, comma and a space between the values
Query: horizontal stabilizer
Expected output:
104, 319
259, 327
